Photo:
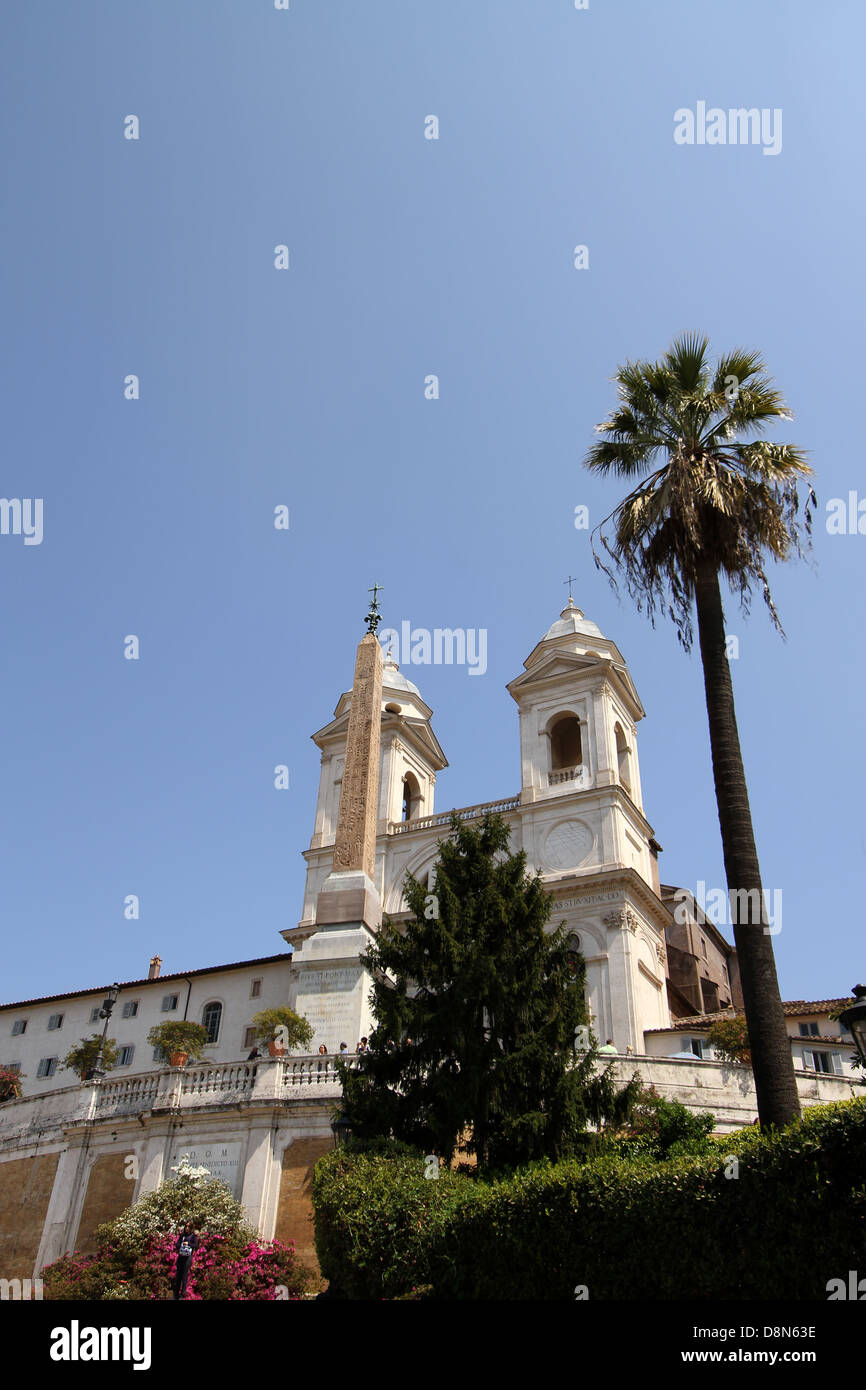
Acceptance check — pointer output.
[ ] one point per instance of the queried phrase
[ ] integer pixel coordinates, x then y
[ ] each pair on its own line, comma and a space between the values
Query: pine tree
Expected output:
481, 1017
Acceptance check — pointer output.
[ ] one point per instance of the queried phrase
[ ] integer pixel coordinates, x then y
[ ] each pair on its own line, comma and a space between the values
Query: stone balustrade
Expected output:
568, 774
198, 1086
313, 1071
405, 827
728, 1091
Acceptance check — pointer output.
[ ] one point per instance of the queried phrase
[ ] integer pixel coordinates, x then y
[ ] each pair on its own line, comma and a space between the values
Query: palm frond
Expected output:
708, 489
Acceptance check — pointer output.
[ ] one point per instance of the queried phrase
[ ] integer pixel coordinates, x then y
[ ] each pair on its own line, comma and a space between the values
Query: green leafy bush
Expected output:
282, 1025
664, 1129
729, 1039
82, 1057
786, 1217
180, 1035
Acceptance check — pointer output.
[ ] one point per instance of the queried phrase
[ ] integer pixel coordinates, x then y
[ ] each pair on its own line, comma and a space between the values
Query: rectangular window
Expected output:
124, 1056
55, 1021
808, 1030
14, 1066
250, 1037
130, 1008
255, 989
160, 1056
94, 1015
169, 1002
703, 948
18, 1027
696, 1045
808, 1060
47, 1067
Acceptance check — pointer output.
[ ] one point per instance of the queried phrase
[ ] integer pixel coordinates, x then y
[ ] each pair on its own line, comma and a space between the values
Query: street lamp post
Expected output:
341, 1128
105, 1012
854, 1019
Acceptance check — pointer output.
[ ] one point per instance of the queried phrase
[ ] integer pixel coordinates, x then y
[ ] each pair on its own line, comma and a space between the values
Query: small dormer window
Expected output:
565, 745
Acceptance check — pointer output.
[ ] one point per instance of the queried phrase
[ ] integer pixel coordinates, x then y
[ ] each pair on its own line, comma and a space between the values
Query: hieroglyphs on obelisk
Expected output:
355, 845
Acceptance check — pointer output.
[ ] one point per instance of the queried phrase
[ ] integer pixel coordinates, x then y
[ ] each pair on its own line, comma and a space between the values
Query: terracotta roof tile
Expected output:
159, 979
791, 1008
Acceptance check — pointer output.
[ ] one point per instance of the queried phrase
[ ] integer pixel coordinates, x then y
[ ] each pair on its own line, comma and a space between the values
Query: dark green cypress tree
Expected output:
477, 1010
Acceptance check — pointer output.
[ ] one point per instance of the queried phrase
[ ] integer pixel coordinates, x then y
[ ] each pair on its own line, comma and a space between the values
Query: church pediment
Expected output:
559, 664
564, 665
415, 729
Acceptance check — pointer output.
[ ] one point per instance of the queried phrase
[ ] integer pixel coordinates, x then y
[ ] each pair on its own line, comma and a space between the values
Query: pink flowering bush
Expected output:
223, 1267
135, 1254
10, 1084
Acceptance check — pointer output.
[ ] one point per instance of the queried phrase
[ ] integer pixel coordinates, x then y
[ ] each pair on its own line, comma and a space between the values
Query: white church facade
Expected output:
578, 815
74, 1153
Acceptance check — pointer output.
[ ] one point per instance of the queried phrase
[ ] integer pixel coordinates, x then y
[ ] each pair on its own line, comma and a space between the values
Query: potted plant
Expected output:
83, 1057
281, 1029
180, 1039
10, 1084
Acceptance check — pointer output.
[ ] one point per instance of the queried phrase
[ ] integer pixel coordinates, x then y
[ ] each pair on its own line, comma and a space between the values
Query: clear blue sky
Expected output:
305, 387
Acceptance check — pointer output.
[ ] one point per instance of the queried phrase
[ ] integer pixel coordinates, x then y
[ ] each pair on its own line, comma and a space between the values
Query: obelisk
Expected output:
333, 987
348, 893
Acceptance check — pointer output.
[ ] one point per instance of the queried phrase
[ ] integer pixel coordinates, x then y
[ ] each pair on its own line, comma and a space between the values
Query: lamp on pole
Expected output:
341, 1128
105, 1012
854, 1019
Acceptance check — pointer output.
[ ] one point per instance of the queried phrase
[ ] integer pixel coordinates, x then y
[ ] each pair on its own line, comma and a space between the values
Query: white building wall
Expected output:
230, 987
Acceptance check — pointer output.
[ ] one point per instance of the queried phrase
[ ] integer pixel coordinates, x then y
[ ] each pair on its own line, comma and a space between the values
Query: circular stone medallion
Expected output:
567, 845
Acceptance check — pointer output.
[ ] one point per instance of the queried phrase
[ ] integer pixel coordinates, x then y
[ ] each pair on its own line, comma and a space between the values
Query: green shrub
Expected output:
82, 1057
778, 1224
729, 1039
663, 1129
282, 1025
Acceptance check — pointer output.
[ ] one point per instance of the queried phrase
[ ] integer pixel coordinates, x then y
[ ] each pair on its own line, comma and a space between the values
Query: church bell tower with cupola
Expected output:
582, 820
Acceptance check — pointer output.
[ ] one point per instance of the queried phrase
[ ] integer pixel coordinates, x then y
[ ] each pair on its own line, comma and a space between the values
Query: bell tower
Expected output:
579, 711
582, 819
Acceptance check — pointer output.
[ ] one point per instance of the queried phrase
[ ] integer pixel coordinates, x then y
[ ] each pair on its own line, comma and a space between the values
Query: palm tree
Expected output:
712, 500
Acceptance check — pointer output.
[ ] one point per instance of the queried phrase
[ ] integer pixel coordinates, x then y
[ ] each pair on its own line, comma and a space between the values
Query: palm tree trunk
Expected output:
772, 1061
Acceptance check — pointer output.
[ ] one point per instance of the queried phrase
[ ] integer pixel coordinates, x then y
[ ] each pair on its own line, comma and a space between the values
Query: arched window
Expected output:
411, 796
574, 956
565, 748
622, 757
211, 1016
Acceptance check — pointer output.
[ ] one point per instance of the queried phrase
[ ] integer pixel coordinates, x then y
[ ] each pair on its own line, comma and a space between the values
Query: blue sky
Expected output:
305, 387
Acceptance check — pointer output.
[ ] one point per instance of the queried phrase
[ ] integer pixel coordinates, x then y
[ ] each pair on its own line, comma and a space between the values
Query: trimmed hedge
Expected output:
627, 1228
